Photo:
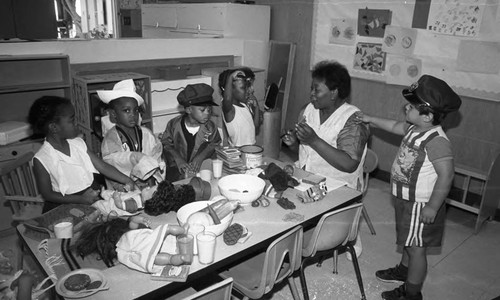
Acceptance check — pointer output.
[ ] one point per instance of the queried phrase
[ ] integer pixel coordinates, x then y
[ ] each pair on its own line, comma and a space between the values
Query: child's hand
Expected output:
428, 214
196, 164
361, 117
289, 138
90, 196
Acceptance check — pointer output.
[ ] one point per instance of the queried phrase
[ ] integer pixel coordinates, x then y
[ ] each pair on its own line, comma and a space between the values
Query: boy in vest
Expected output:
421, 177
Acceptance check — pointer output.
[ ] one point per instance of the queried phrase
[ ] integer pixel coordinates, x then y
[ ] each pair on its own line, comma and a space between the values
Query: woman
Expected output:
329, 138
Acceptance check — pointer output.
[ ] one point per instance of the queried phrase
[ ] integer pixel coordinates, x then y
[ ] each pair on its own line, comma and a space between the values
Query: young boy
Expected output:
421, 177
242, 116
131, 148
192, 137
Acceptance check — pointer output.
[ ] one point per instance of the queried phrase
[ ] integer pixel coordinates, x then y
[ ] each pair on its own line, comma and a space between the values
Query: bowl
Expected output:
243, 187
185, 211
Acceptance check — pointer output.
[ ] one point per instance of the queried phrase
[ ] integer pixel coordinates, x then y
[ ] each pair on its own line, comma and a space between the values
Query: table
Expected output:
265, 223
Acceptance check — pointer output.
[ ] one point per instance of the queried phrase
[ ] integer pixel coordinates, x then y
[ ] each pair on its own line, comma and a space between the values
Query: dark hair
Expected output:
335, 76
225, 74
437, 116
101, 238
46, 110
169, 198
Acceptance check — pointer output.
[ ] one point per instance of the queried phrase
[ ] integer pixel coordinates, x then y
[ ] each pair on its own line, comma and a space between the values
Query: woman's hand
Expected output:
305, 133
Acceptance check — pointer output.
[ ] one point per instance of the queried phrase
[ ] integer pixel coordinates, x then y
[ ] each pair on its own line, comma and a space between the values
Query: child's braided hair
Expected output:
169, 198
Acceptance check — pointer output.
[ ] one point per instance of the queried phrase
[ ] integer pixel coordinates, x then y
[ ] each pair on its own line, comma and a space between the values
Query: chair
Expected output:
334, 230
256, 276
218, 291
370, 164
18, 186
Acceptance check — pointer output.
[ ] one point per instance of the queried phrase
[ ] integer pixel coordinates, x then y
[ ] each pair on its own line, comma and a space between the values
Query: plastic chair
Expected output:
218, 291
256, 276
18, 186
370, 164
334, 230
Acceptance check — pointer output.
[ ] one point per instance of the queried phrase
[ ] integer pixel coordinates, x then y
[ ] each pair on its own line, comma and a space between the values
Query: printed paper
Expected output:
372, 22
399, 40
456, 17
369, 57
402, 70
342, 31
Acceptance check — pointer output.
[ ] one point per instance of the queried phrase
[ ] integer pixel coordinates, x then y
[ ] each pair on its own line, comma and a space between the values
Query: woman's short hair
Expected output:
225, 74
335, 76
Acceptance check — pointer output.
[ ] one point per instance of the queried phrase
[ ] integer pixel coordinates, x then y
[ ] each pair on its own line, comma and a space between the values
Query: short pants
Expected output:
410, 231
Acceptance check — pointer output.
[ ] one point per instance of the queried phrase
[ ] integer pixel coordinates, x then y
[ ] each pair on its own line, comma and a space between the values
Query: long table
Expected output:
265, 223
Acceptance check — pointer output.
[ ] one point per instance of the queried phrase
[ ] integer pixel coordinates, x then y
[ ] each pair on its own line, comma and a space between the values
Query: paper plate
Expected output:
94, 275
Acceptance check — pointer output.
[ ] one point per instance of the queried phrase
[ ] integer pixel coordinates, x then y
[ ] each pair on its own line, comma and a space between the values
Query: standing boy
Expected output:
131, 148
192, 137
421, 177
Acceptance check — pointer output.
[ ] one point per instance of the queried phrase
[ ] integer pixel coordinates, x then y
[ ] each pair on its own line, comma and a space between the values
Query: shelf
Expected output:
33, 87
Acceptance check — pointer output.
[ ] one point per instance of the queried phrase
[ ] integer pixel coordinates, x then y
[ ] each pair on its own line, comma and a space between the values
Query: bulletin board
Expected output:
396, 41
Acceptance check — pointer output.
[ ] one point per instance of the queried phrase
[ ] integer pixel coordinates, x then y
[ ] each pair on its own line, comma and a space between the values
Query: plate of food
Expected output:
81, 283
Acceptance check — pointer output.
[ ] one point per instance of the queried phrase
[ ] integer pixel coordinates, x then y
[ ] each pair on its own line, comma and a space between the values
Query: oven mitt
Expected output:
314, 193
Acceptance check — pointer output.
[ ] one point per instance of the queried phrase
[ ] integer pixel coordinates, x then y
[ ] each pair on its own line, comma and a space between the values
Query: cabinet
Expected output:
89, 109
206, 20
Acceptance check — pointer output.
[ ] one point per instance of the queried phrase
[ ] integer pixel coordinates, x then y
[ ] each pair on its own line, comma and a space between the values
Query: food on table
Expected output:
94, 285
222, 208
77, 282
233, 233
255, 203
200, 218
213, 214
285, 203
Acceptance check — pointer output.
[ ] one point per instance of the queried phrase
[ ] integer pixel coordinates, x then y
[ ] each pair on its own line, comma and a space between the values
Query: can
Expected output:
252, 155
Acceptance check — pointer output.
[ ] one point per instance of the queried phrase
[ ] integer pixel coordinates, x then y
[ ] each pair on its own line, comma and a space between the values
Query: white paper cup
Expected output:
206, 175
217, 168
63, 230
194, 229
206, 247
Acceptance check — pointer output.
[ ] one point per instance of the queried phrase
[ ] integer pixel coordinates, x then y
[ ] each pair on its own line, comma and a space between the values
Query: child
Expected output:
64, 168
239, 106
131, 148
421, 177
133, 243
192, 137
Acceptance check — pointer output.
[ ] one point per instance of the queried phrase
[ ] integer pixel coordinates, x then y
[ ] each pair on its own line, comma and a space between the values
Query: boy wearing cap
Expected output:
421, 177
242, 116
191, 138
131, 148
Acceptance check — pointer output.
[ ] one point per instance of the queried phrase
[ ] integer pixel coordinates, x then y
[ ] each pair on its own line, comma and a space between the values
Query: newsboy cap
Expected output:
199, 94
433, 92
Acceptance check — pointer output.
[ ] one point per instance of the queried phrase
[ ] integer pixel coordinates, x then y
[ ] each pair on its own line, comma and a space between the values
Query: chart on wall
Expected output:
398, 41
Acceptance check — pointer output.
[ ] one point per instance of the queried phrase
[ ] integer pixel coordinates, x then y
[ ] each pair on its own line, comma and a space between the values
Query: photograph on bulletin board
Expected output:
342, 31
372, 22
369, 57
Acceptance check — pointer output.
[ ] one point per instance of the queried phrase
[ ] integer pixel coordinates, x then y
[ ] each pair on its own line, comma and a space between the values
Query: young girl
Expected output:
133, 243
64, 168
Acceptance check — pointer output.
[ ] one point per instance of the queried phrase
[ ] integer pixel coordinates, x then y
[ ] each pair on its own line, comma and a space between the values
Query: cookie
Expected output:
77, 282
232, 234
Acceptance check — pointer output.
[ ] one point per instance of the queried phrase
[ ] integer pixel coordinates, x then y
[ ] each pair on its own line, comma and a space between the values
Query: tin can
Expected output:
252, 155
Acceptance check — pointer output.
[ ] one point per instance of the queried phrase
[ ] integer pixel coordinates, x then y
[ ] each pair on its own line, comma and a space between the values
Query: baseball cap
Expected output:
434, 93
198, 94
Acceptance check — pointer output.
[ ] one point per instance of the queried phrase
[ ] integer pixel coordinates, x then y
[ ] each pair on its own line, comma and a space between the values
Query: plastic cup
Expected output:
185, 245
194, 229
206, 247
217, 168
63, 230
206, 175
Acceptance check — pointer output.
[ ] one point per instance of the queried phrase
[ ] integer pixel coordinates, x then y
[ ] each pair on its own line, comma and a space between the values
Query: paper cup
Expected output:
194, 229
185, 245
63, 230
217, 168
206, 175
206, 247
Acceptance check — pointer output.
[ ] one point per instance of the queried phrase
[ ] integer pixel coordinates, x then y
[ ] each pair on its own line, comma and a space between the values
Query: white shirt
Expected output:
241, 130
68, 174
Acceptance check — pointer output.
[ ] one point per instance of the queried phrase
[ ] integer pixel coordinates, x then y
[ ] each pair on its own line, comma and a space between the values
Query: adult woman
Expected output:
329, 138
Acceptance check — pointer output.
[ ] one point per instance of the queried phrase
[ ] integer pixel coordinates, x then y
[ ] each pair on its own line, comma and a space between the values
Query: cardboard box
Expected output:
13, 131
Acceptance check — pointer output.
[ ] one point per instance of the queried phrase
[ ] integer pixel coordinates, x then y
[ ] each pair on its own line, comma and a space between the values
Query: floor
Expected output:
466, 267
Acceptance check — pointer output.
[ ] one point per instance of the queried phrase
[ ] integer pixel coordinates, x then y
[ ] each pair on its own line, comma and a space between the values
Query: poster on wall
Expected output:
399, 40
342, 31
456, 17
402, 70
369, 57
372, 22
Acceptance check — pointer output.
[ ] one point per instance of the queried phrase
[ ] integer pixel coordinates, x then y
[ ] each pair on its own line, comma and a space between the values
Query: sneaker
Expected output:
399, 293
395, 275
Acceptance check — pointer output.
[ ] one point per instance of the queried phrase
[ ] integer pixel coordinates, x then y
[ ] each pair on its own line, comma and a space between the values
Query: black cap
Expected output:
433, 92
199, 94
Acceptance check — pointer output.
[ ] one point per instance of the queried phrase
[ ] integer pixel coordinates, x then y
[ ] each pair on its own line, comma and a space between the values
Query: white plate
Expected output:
94, 275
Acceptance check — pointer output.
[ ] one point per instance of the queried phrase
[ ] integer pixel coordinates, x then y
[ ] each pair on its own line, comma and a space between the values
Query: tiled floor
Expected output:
466, 267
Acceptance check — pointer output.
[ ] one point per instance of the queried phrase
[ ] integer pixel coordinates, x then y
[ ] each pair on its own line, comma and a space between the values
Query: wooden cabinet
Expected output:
23, 79
206, 20
89, 108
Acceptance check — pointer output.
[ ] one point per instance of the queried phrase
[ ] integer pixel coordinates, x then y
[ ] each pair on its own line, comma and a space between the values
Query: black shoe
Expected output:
392, 275
399, 293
